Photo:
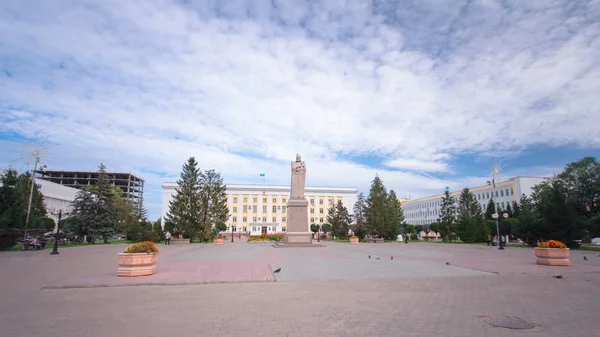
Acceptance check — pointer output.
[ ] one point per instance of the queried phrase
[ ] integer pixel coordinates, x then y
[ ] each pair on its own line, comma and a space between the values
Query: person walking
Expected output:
168, 238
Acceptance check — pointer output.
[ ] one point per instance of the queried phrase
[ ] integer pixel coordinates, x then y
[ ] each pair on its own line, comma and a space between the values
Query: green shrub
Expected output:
8, 239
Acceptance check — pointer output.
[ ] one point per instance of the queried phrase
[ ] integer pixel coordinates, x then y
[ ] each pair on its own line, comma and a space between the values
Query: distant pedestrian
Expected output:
168, 238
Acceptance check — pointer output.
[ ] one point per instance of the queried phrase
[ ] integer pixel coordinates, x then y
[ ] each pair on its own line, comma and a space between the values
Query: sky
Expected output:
426, 94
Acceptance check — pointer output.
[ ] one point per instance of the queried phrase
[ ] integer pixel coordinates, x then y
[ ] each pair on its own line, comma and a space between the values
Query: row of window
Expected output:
255, 200
254, 209
254, 228
257, 219
320, 220
480, 196
283, 200
500, 205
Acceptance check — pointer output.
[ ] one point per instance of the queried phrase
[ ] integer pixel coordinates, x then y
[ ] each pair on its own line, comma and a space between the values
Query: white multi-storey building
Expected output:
262, 209
425, 211
56, 196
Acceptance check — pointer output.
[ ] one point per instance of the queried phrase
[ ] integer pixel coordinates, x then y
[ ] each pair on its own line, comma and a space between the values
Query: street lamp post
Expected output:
231, 233
319, 234
56, 236
37, 161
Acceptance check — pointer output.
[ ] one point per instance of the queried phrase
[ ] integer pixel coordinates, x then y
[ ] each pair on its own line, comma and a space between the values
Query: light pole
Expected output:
36, 153
56, 236
231, 233
495, 216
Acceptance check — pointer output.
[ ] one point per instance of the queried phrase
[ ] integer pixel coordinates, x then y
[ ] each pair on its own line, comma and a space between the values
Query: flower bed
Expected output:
138, 259
266, 238
353, 240
552, 253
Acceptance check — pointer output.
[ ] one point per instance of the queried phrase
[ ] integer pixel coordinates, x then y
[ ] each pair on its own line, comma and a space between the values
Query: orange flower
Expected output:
552, 244
142, 247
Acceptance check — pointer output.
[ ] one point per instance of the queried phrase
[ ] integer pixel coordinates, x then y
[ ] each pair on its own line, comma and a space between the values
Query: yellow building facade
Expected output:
262, 209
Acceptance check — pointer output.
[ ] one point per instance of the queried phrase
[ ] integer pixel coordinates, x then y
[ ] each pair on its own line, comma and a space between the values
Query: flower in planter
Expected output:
353, 237
142, 247
552, 244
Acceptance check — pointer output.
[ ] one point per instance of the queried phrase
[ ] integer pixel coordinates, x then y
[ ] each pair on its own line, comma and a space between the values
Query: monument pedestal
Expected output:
297, 234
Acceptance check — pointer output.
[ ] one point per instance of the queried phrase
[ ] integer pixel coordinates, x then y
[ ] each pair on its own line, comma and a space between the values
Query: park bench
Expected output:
374, 240
27, 245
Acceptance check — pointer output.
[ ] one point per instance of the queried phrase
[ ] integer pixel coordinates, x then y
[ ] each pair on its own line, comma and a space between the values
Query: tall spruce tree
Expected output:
490, 209
93, 213
360, 209
395, 219
185, 212
447, 223
14, 199
339, 219
581, 180
470, 226
377, 213
213, 202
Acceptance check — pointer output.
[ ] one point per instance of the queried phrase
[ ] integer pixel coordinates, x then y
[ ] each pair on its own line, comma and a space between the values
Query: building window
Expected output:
283, 229
235, 219
503, 205
245, 208
487, 195
264, 219
283, 219
254, 199
264, 209
235, 200
253, 219
244, 219
235, 210
274, 219
496, 194
511, 191
269, 228
265, 200
254, 208
330, 202
274, 200
506, 192
321, 220
245, 199
320, 210
283, 209
320, 201
283, 200
312, 220
274, 209
501, 193
312, 211
312, 202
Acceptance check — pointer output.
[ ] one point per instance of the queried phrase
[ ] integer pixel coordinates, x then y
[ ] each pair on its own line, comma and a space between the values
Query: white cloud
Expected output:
245, 86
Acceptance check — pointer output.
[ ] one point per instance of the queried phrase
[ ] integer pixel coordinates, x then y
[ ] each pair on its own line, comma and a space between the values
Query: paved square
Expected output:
331, 291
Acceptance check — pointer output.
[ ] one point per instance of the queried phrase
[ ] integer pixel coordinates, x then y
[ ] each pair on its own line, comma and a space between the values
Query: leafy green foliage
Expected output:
184, 210
447, 223
14, 199
93, 214
470, 226
314, 228
339, 219
213, 201
360, 209
383, 213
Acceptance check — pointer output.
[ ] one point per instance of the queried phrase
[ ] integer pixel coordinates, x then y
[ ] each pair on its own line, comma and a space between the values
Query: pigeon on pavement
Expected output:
447, 263
557, 276
585, 258
277, 270
392, 258
369, 256
378, 258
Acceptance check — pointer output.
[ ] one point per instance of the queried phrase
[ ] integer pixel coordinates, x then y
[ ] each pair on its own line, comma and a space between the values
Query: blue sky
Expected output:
427, 94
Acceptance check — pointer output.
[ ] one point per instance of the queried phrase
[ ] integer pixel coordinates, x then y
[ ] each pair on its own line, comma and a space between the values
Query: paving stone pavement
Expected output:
354, 298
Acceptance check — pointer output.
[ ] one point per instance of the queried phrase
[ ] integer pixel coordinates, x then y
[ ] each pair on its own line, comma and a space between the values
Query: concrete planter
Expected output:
137, 264
353, 241
218, 241
553, 256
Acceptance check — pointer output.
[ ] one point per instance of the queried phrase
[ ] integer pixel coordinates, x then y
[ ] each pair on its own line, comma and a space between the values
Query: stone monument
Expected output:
298, 233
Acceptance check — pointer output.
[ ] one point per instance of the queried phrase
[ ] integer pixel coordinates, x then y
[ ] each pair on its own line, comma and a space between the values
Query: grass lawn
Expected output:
590, 248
